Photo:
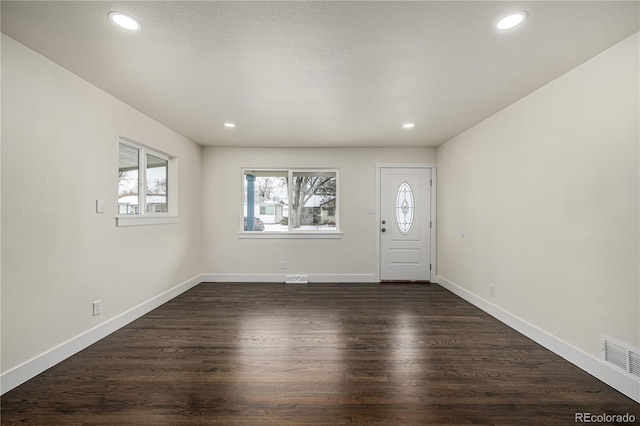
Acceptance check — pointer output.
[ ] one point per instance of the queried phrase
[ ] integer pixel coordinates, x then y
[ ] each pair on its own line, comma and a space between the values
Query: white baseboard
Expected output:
343, 278
29, 369
280, 278
242, 278
618, 380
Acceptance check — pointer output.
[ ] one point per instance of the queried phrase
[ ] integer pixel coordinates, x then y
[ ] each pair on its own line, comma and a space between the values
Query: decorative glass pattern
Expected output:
405, 208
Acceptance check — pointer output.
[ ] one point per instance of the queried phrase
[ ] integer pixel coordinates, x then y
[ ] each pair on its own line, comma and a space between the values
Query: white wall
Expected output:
60, 154
547, 194
351, 258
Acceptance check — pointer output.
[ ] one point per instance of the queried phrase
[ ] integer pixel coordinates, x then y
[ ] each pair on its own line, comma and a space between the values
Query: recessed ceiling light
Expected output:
229, 125
511, 21
408, 125
124, 21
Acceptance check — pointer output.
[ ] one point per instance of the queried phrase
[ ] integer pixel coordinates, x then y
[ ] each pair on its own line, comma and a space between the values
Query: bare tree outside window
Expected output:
313, 200
291, 200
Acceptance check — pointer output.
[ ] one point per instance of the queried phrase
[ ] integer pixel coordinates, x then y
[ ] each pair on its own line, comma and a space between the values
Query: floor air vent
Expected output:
297, 279
621, 356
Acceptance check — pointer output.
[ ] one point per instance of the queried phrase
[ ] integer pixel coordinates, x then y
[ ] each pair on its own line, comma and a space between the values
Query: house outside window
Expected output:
143, 183
290, 200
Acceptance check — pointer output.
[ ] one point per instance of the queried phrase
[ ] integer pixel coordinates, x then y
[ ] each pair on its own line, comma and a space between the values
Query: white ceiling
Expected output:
319, 73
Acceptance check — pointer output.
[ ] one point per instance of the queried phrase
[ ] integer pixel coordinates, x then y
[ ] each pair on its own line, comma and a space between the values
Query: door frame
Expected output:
432, 236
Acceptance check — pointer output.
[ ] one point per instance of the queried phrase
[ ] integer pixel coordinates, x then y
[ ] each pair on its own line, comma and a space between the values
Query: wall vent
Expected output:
634, 363
297, 279
615, 354
621, 356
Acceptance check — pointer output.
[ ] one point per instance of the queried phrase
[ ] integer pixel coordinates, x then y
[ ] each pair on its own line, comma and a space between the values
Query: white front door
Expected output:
405, 224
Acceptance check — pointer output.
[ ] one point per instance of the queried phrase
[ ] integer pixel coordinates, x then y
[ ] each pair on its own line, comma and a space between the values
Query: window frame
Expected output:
143, 217
290, 233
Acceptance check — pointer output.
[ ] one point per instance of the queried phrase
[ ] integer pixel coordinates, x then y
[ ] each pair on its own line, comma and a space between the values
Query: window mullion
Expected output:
142, 173
290, 197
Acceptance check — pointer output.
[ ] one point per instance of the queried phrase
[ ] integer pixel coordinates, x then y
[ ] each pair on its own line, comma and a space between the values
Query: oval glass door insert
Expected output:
405, 208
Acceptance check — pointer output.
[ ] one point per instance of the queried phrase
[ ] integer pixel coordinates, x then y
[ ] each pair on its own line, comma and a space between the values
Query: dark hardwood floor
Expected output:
320, 354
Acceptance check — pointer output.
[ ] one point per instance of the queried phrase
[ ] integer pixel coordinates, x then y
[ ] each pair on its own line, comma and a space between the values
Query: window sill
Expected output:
289, 235
145, 220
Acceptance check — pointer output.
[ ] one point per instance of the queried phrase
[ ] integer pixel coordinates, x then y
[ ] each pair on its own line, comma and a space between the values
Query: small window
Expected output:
290, 201
267, 210
405, 208
313, 201
128, 180
143, 182
157, 177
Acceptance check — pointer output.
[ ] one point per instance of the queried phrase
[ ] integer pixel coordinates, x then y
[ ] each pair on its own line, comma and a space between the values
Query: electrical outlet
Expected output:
283, 265
492, 290
97, 308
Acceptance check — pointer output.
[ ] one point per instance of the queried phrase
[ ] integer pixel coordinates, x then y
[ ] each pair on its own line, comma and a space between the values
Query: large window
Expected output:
290, 201
143, 181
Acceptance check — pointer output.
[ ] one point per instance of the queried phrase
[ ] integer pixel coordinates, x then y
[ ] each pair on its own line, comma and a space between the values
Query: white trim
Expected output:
31, 368
434, 224
618, 380
280, 278
286, 235
407, 165
243, 278
432, 191
145, 220
342, 278
148, 149
378, 219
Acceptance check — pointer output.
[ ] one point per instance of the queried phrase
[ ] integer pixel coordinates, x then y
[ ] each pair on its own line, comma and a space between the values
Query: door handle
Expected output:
383, 229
